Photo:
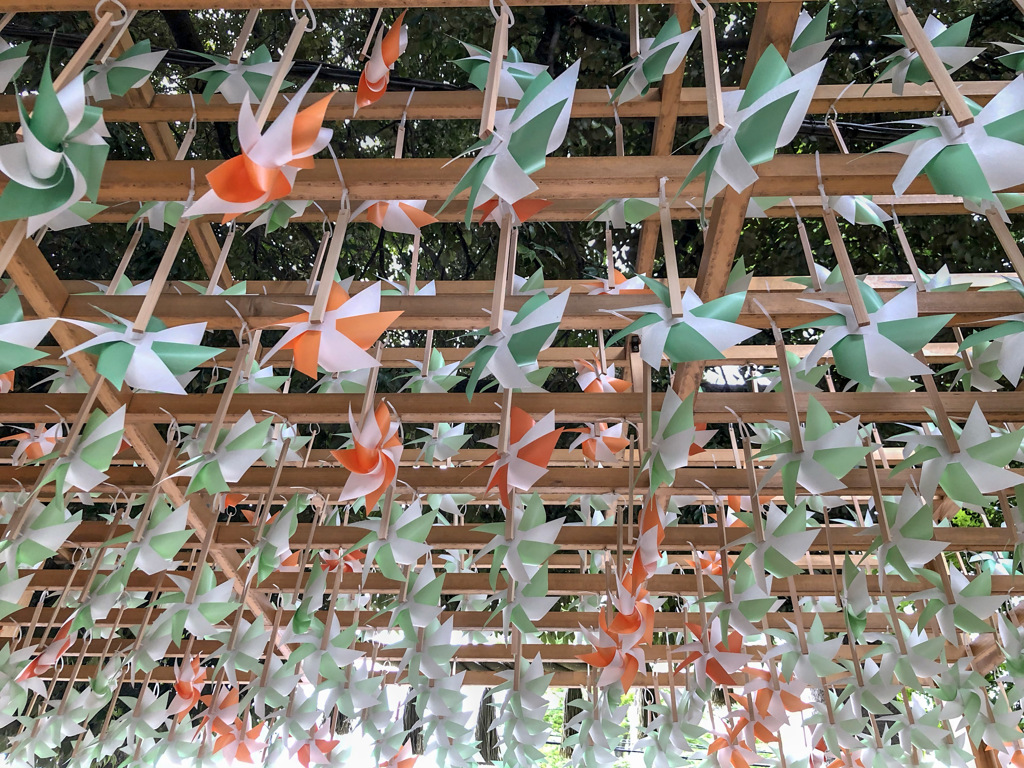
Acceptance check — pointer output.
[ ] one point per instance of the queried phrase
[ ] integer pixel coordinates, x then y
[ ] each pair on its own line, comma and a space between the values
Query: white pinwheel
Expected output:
656, 57
949, 44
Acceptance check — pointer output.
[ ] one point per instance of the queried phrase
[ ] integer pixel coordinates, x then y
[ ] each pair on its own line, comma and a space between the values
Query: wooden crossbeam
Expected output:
466, 311
562, 178
466, 105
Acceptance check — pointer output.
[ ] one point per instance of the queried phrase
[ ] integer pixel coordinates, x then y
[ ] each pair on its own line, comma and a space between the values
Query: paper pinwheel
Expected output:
973, 162
880, 355
810, 43
910, 542
403, 544
235, 451
278, 214
530, 446
422, 599
510, 354
829, 452
759, 119
118, 76
373, 458
674, 434
973, 473
12, 59
40, 536
61, 159
212, 604
269, 162
524, 731
19, 337
618, 285
591, 378
350, 326
495, 210
972, 603
1013, 58
647, 553
620, 212
236, 81
666, 739
406, 217
189, 679
373, 81
165, 534
619, 645
859, 209
807, 666
596, 731
516, 74
787, 539
601, 443
521, 140
524, 602
84, 467
273, 549
656, 57
441, 443
438, 377
703, 332
532, 543
949, 43
156, 360
714, 658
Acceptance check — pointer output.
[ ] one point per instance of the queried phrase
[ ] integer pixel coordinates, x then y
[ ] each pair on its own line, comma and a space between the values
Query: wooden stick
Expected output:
283, 66
789, 395
323, 293
712, 76
225, 397
10, 246
945, 428
125, 259
908, 254
370, 34
244, 35
160, 278
502, 281
837, 135
85, 51
668, 242
222, 259
860, 311
499, 50
916, 39
371, 386
634, 30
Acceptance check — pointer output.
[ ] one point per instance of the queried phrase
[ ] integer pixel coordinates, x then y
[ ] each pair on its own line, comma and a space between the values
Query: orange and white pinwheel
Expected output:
648, 545
50, 655
349, 562
241, 744
619, 646
269, 163
189, 679
847, 759
774, 700
221, 713
6, 382
530, 446
373, 458
351, 325
403, 759
316, 750
600, 443
730, 750
710, 562
618, 285
495, 209
373, 81
592, 378
35, 443
406, 217
712, 656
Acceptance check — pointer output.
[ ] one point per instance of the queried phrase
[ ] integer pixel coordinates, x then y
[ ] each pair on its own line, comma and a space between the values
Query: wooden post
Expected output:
712, 76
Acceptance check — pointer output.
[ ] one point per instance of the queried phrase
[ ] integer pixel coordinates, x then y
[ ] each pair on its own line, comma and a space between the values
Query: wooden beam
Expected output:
59, 6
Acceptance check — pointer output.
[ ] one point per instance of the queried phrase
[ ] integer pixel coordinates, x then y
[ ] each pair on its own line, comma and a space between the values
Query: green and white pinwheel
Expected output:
970, 475
45, 530
165, 533
859, 209
115, 77
510, 354
597, 731
532, 543
61, 159
656, 57
910, 542
787, 538
522, 139
523, 730
422, 599
438, 377
1013, 58
673, 434
759, 119
212, 604
973, 603
158, 214
278, 214
703, 332
516, 75
235, 80
19, 337
524, 602
85, 465
810, 41
975, 161
158, 360
996, 351
12, 59
236, 450
830, 451
622, 211
880, 355
950, 44
441, 443
274, 545
666, 741
404, 542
